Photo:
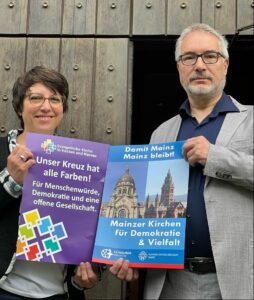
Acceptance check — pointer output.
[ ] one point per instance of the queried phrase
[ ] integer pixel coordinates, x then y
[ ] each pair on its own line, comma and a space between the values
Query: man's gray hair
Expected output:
223, 43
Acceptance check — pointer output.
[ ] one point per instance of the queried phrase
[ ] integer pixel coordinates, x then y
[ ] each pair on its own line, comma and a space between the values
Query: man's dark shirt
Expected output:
197, 240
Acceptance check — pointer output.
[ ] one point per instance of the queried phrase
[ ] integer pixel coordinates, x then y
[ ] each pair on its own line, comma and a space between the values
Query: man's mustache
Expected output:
200, 77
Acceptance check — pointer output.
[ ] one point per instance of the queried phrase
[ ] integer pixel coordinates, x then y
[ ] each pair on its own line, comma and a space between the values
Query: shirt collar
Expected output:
224, 105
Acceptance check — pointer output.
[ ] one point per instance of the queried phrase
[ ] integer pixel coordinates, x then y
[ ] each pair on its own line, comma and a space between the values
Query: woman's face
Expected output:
42, 109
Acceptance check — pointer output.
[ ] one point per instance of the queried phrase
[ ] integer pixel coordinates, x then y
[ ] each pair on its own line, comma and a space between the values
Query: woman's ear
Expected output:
20, 110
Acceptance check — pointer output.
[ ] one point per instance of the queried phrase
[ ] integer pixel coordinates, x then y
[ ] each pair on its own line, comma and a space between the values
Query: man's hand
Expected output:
122, 271
195, 150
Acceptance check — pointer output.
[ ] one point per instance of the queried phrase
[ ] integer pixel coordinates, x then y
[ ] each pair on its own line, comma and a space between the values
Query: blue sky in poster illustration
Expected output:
148, 176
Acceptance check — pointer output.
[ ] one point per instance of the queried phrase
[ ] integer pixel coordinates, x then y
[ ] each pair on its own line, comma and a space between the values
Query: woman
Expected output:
40, 101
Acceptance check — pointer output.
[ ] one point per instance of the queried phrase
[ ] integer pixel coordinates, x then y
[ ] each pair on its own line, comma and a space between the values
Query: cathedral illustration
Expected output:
124, 201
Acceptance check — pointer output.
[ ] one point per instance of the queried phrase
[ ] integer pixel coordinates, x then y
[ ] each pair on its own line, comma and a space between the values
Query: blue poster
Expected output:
143, 211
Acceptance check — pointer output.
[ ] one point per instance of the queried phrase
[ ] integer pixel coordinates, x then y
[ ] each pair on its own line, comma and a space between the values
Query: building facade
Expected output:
124, 202
92, 43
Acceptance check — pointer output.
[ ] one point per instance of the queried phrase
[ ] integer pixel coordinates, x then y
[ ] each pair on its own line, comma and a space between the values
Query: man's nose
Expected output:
200, 63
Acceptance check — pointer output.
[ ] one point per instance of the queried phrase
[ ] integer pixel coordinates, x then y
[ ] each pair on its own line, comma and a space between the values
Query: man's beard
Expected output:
208, 91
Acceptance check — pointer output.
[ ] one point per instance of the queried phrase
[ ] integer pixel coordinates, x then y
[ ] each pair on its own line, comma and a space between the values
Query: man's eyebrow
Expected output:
192, 52
189, 52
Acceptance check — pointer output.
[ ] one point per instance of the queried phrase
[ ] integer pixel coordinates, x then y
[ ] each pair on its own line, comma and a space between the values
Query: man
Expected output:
219, 148
218, 134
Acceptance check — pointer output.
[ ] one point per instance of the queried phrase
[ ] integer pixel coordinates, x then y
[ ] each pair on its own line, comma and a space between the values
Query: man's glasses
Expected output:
38, 100
209, 57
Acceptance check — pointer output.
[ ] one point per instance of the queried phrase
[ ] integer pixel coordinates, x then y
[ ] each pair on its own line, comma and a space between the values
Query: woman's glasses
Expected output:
38, 100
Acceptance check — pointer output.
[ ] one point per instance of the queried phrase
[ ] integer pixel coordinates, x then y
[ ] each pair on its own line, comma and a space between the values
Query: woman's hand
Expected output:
18, 163
86, 276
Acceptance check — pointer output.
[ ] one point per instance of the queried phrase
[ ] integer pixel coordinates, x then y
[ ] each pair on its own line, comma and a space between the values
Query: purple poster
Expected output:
61, 199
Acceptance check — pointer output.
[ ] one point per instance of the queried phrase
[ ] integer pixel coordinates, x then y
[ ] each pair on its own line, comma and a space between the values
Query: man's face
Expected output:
201, 78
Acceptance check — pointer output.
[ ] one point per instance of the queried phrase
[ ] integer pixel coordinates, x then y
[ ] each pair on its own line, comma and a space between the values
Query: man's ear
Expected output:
226, 64
177, 65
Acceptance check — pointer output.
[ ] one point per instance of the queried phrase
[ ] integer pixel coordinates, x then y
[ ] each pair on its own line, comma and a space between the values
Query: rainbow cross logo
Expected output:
39, 238
48, 146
